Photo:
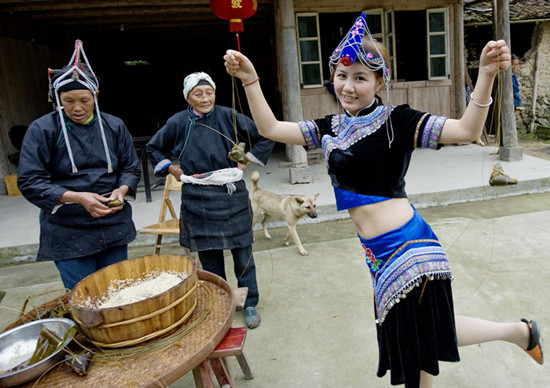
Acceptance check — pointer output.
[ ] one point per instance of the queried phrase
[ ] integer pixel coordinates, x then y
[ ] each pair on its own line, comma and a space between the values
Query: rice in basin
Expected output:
135, 300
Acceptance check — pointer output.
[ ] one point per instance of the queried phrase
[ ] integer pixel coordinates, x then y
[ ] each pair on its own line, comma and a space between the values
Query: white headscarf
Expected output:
193, 79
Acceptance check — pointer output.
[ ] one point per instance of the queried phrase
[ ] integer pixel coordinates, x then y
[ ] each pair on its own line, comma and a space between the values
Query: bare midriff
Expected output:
378, 218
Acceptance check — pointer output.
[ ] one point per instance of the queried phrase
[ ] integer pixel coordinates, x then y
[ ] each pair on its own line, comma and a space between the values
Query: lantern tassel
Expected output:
236, 25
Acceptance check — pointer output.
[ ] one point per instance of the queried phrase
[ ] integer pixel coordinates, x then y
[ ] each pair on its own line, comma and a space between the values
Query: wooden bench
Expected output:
231, 345
216, 364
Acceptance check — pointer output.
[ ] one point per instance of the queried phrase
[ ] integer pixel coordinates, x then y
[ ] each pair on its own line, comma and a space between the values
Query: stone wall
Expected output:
539, 56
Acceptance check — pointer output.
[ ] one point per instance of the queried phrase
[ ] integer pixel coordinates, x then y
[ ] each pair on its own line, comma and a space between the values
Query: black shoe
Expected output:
535, 342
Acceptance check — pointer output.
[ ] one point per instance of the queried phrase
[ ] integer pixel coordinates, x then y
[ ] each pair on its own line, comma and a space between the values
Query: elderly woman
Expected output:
77, 165
215, 211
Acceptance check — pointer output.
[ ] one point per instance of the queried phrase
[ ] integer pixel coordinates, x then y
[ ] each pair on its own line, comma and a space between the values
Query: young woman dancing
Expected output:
367, 150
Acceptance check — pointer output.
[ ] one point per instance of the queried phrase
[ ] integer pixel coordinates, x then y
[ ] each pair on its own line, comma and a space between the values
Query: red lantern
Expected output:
234, 11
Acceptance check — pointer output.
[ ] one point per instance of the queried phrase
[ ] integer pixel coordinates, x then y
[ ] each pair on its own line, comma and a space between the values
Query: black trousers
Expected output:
243, 265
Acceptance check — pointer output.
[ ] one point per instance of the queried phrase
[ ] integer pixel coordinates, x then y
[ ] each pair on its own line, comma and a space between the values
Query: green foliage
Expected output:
540, 136
138, 62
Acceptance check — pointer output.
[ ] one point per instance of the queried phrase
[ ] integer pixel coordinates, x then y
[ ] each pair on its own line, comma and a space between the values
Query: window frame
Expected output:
380, 12
445, 33
317, 38
387, 36
389, 41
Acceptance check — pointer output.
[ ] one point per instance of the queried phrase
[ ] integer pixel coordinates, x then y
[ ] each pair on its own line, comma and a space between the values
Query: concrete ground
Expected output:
317, 316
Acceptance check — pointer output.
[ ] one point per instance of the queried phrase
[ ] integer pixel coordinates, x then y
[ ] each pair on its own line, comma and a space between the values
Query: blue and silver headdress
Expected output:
351, 49
78, 74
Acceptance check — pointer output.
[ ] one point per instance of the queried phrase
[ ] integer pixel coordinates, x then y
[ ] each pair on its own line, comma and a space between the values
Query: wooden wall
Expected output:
427, 96
23, 92
317, 103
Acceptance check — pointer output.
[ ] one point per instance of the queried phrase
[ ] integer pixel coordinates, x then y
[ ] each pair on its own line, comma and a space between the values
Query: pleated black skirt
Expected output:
417, 333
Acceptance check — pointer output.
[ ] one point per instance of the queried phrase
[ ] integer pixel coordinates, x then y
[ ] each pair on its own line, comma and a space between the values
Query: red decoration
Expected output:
234, 11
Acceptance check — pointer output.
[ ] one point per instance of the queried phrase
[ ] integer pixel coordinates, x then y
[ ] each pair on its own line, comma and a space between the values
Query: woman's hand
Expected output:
175, 170
94, 204
236, 64
119, 195
495, 57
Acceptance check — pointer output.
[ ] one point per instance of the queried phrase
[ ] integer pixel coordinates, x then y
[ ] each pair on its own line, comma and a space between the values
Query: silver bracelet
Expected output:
481, 105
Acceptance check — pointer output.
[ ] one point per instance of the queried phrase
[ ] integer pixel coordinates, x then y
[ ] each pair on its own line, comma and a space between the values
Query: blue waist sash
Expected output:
400, 258
347, 200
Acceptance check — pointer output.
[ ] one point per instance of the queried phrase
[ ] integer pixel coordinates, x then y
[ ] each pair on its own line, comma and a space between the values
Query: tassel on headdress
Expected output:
74, 77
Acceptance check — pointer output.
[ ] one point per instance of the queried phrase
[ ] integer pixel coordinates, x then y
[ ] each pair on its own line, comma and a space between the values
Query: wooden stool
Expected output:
216, 363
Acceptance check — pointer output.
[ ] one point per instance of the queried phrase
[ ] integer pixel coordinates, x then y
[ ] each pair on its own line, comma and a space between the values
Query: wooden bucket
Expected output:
130, 324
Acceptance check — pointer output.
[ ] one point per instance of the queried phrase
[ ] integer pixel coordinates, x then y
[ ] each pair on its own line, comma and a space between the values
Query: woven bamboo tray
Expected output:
58, 307
164, 367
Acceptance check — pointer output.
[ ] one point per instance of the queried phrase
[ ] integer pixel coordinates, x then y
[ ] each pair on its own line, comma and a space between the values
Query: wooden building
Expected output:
529, 40
142, 50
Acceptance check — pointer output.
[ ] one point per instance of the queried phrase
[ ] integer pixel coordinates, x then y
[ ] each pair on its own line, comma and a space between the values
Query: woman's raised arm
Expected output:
495, 57
240, 66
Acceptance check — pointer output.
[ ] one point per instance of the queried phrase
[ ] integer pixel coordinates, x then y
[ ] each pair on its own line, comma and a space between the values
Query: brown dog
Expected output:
290, 208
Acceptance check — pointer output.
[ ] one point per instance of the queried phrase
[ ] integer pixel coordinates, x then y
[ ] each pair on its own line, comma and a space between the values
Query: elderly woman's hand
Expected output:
175, 170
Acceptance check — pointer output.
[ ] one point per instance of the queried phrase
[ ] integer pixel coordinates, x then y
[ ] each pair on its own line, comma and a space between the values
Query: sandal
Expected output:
535, 341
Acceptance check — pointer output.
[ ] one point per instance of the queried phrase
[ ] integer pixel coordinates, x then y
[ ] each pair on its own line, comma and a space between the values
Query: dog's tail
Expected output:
254, 178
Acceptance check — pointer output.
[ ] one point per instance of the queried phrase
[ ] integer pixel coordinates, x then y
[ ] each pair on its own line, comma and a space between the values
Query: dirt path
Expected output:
535, 148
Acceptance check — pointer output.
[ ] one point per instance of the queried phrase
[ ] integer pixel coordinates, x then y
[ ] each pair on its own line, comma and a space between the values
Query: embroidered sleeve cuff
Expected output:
432, 132
160, 168
311, 134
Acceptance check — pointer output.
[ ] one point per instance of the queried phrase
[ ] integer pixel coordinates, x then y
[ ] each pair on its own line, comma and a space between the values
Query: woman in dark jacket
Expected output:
215, 211
77, 165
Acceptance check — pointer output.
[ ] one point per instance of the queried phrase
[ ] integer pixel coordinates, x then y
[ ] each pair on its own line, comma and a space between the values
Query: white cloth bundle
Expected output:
225, 176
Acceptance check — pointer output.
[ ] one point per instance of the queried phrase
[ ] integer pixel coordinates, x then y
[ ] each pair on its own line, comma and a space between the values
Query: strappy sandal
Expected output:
535, 342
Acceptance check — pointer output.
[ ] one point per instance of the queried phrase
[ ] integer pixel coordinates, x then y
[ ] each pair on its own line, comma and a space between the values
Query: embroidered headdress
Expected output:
78, 74
351, 49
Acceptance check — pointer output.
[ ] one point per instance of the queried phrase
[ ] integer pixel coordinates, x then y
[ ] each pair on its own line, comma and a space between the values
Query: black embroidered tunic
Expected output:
358, 152
211, 218
45, 174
